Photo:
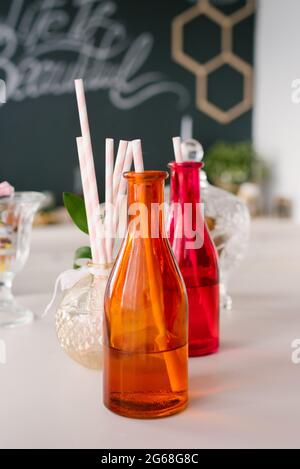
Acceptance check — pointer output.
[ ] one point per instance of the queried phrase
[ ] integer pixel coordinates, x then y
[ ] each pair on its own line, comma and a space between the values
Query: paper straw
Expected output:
123, 186
109, 170
156, 300
177, 218
157, 305
177, 149
89, 163
186, 132
138, 156
83, 117
126, 168
91, 199
119, 168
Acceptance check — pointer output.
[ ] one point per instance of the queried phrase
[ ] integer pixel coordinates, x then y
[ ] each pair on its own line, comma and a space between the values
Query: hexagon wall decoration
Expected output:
225, 57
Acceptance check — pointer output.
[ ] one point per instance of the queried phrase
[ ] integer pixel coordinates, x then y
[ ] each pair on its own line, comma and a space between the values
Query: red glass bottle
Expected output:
196, 256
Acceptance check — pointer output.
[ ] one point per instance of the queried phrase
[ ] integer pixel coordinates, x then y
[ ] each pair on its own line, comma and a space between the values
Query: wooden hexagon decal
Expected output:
227, 56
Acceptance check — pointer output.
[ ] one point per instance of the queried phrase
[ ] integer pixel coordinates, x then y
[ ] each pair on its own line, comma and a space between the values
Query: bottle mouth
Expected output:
146, 176
186, 165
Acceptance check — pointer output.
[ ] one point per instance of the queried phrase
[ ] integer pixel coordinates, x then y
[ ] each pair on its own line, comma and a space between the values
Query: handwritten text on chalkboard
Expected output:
44, 47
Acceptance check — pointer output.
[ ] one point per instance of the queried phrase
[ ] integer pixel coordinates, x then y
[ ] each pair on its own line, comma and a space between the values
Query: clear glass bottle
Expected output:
145, 326
197, 261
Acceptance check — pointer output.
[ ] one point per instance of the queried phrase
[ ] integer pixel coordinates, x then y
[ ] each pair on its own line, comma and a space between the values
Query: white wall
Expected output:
276, 123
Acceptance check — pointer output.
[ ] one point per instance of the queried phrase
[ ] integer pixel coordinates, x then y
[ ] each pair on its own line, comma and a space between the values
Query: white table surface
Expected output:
247, 395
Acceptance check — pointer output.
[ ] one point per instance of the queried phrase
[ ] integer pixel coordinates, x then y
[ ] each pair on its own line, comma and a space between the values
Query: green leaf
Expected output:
76, 209
82, 253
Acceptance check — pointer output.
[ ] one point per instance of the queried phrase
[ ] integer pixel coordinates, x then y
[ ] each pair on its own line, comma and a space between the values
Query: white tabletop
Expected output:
248, 395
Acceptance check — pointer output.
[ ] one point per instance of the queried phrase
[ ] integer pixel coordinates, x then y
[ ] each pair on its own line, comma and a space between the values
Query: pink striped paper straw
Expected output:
109, 170
91, 200
84, 120
177, 149
126, 168
88, 171
138, 156
123, 185
119, 168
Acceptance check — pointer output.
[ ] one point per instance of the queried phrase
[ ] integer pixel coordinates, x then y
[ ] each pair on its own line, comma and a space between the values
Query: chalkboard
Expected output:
135, 87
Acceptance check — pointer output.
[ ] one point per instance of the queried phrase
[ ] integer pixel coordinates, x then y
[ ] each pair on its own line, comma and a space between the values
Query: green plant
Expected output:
232, 164
81, 253
76, 209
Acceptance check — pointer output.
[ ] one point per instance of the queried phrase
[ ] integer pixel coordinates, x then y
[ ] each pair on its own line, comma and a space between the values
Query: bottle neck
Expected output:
187, 225
185, 184
146, 205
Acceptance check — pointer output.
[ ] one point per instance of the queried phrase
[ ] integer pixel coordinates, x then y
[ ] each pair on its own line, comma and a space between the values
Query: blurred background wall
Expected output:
145, 64
276, 118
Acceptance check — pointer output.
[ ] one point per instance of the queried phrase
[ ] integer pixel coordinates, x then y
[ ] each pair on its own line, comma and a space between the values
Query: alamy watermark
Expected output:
2, 352
184, 221
296, 352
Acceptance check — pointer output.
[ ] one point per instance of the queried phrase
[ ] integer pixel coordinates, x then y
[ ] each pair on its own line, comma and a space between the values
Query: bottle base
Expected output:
204, 348
146, 406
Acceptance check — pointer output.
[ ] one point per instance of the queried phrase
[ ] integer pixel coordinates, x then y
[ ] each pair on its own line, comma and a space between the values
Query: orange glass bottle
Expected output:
145, 324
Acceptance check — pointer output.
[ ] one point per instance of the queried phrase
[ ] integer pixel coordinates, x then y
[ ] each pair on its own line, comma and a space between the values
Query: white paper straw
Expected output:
109, 170
119, 168
186, 128
91, 200
87, 150
177, 149
126, 168
83, 117
138, 156
122, 191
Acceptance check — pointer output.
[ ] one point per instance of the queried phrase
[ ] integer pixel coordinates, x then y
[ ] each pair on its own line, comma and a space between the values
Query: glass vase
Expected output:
228, 220
145, 326
196, 256
16, 217
79, 319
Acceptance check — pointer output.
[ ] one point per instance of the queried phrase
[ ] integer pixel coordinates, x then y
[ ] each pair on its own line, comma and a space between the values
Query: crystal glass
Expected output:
196, 256
79, 320
145, 326
227, 218
16, 217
